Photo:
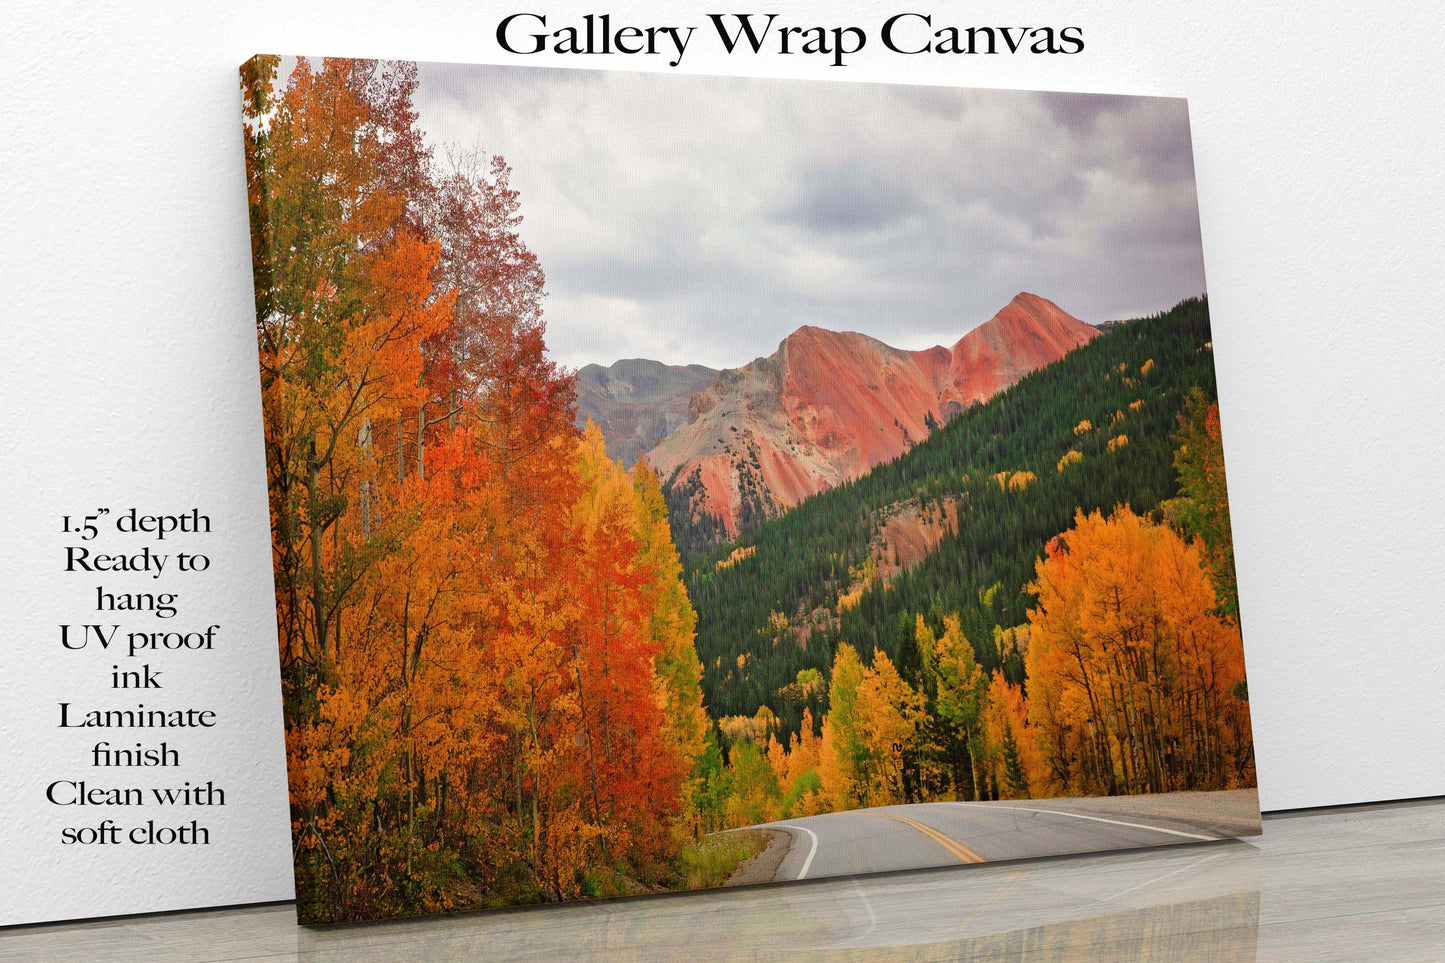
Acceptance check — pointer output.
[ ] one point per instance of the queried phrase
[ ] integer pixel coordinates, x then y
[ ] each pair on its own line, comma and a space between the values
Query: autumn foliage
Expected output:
1132, 676
491, 689
1134, 683
492, 693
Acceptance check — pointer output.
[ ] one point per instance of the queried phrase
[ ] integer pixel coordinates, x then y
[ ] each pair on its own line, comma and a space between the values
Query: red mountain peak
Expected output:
830, 405
1027, 333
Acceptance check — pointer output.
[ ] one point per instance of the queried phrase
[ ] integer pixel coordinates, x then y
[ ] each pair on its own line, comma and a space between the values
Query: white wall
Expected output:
132, 378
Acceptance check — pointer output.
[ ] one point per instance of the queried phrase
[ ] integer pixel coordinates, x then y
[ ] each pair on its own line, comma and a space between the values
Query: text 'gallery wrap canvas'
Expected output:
678, 480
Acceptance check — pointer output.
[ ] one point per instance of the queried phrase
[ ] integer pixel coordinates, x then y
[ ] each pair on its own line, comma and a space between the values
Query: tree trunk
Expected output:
319, 610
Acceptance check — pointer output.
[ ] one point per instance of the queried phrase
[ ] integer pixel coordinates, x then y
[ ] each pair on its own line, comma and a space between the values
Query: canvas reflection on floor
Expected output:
897, 537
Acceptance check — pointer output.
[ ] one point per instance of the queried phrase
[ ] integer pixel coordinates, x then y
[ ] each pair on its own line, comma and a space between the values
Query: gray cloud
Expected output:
851, 199
1079, 113
702, 219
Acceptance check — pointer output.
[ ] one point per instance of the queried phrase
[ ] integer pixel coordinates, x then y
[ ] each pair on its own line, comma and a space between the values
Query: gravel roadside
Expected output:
764, 866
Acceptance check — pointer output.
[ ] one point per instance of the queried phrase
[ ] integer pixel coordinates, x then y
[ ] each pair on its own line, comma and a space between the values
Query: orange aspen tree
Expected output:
1135, 681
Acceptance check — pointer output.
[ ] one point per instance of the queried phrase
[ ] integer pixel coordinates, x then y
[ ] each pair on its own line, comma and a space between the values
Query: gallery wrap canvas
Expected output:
689, 481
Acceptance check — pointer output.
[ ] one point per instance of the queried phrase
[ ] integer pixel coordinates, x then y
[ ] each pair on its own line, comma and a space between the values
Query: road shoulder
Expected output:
763, 867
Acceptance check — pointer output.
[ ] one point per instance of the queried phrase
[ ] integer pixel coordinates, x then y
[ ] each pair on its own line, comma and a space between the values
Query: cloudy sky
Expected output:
702, 219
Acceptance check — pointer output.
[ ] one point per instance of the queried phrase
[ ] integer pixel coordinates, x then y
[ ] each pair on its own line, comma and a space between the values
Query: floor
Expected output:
1360, 883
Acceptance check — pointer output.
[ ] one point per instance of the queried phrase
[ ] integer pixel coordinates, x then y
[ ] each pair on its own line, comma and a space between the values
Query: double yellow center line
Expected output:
958, 849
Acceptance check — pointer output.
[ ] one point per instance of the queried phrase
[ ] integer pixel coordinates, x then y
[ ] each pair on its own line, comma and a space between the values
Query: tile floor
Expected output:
1359, 883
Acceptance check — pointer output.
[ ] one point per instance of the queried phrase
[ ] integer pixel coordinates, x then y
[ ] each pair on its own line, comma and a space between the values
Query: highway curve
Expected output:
891, 838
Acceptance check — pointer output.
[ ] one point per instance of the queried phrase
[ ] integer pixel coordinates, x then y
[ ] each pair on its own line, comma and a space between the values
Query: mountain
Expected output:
955, 525
637, 402
828, 406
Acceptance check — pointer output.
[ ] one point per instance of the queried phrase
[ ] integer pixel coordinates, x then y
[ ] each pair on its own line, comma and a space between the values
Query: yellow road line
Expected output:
956, 848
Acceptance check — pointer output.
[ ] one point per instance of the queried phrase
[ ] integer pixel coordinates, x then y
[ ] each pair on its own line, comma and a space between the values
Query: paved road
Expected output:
947, 834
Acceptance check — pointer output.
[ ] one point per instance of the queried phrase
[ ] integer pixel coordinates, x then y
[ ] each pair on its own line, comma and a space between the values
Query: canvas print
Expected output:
688, 481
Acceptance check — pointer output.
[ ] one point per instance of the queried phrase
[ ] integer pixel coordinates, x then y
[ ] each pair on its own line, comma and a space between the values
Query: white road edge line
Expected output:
807, 863
1100, 819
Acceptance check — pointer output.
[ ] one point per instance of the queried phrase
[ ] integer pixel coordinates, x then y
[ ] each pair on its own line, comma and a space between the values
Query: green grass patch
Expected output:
711, 860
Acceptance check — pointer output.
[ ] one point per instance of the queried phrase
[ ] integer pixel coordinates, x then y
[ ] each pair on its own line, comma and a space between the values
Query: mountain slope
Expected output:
980, 497
637, 402
828, 406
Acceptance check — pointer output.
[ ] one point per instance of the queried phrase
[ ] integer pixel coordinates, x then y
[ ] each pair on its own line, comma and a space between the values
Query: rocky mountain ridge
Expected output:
824, 408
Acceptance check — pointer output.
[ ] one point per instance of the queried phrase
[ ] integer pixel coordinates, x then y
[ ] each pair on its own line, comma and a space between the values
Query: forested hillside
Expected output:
1091, 431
